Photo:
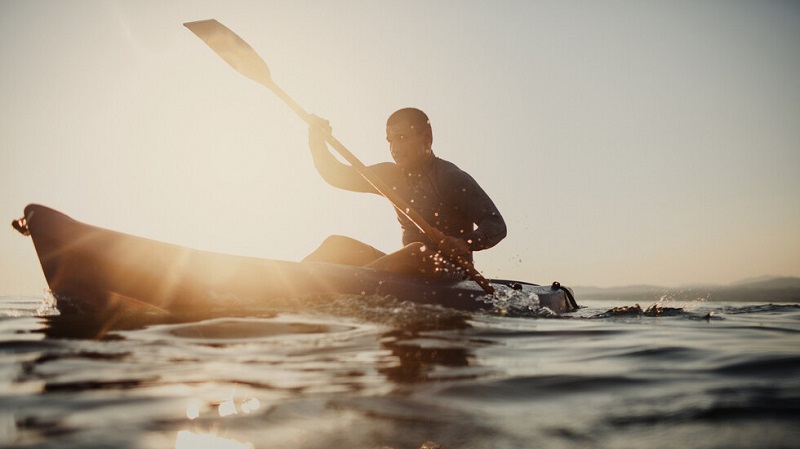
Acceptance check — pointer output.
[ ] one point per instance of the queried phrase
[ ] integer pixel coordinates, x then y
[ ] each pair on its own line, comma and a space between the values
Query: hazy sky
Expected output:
625, 142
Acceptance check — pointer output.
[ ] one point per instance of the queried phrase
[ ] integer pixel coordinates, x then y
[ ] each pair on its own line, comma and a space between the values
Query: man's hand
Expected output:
453, 247
318, 131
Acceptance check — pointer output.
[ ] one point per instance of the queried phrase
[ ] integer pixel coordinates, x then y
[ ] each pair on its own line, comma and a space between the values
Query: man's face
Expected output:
409, 147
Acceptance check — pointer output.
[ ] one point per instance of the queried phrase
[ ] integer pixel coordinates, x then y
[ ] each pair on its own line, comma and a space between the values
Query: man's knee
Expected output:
343, 250
339, 242
415, 249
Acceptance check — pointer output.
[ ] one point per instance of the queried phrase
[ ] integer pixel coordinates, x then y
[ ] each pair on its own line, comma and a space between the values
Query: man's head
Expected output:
410, 137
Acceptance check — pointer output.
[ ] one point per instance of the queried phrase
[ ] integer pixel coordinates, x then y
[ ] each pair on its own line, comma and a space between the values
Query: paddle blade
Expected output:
233, 49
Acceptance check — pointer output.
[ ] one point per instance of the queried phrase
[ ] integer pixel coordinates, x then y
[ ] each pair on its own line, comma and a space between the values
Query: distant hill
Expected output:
780, 289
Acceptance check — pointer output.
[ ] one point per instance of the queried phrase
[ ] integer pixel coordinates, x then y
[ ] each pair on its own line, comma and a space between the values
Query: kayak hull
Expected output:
92, 270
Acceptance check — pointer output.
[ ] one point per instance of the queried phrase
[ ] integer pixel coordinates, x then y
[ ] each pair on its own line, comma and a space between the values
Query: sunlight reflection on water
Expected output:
190, 440
224, 408
193, 409
187, 439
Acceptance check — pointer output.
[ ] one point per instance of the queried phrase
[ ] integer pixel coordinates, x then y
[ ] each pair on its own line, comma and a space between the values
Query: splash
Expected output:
513, 303
49, 304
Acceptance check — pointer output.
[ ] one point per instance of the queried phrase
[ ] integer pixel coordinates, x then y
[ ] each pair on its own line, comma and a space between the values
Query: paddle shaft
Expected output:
242, 57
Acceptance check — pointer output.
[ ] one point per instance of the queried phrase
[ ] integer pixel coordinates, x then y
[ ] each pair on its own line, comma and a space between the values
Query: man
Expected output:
444, 195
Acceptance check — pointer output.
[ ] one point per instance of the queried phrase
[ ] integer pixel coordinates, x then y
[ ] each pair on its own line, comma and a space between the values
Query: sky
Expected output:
625, 142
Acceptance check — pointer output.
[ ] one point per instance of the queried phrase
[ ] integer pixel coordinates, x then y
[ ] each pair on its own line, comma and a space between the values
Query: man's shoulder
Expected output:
451, 172
447, 167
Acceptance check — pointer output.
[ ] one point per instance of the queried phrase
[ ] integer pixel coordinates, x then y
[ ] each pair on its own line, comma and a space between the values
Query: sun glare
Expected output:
187, 439
190, 440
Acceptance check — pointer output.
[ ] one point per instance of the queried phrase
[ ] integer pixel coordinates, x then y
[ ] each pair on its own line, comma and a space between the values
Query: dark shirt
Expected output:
444, 195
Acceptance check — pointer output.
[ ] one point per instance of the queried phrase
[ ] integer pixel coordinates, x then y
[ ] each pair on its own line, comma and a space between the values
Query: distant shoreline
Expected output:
779, 289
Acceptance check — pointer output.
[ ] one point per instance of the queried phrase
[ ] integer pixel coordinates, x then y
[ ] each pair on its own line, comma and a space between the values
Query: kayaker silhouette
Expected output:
444, 195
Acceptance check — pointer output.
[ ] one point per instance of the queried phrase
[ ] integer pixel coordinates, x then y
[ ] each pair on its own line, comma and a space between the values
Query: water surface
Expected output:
375, 373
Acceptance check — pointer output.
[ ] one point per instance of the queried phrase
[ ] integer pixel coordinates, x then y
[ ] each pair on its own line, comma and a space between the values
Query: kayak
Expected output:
93, 270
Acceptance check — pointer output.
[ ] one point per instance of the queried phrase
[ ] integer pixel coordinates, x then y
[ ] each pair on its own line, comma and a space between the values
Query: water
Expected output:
375, 373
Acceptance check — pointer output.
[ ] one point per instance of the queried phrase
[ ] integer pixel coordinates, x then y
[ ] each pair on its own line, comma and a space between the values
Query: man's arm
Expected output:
329, 167
472, 200
490, 225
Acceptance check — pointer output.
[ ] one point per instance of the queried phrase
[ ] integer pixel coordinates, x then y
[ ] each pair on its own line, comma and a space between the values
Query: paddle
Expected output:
241, 56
